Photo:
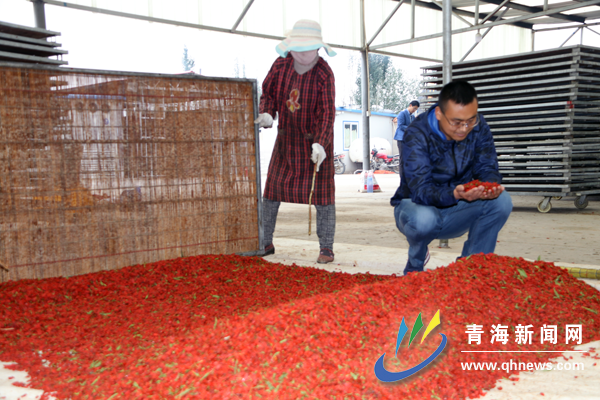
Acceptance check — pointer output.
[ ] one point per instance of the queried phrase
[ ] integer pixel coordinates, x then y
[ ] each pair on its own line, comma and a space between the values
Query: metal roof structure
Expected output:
406, 28
440, 31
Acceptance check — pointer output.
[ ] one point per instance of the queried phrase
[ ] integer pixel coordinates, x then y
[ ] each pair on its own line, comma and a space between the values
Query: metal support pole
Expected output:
385, 22
366, 101
567, 27
475, 22
475, 45
259, 202
447, 69
454, 13
39, 13
482, 36
366, 113
447, 40
572, 34
490, 15
412, 19
242, 15
590, 29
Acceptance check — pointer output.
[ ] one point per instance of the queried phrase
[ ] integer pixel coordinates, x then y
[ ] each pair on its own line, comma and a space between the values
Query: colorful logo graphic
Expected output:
386, 376
292, 102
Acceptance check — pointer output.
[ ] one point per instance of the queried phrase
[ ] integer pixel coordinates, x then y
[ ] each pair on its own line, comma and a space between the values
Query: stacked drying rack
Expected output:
25, 44
543, 108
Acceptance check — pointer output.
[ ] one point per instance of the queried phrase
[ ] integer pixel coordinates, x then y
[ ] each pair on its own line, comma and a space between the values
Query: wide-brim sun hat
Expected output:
305, 36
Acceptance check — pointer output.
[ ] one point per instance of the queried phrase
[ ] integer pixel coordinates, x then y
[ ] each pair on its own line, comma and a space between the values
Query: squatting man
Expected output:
444, 148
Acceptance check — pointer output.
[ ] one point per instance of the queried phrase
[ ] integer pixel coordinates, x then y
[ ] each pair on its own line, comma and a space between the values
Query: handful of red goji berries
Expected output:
475, 183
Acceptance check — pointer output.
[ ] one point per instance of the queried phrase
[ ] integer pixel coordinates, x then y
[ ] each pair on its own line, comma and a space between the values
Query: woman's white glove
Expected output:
264, 120
318, 154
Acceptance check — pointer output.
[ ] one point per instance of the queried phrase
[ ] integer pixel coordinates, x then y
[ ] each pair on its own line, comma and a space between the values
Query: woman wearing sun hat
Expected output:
300, 87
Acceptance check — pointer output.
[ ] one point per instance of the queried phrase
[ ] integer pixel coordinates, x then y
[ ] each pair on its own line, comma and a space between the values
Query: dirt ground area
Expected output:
565, 234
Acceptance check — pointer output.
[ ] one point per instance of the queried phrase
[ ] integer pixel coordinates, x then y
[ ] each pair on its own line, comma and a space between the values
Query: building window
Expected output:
350, 133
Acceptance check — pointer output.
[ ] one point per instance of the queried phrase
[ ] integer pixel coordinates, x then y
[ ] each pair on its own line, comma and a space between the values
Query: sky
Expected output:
96, 41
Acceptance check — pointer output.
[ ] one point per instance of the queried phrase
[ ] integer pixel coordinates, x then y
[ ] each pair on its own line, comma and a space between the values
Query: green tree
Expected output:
187, 62
390, 88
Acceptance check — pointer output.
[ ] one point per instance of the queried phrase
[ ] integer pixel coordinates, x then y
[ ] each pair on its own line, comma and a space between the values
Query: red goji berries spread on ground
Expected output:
226, 326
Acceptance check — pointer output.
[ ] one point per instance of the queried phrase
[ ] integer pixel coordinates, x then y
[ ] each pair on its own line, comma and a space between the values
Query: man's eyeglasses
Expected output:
470, 123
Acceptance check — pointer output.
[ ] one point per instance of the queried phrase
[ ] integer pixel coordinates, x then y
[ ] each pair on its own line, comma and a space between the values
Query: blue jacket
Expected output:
432, 166
404, 120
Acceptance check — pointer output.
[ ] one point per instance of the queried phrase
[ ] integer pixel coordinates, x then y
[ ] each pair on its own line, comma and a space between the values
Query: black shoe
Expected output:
270, 249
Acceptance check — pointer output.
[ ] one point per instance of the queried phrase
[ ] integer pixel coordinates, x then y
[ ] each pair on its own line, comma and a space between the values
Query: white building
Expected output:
348, 127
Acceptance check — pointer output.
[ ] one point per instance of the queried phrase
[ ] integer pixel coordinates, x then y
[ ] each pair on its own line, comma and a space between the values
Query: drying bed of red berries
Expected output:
476, 183
240, 327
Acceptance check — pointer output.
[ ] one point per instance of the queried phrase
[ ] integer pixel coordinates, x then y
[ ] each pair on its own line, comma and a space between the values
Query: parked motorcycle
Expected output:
338, 164
380, 161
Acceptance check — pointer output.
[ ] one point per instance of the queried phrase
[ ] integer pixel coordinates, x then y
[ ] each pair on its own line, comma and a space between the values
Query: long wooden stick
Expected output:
312, 189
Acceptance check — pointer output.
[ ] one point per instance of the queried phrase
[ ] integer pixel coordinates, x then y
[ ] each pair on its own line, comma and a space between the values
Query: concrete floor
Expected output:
565, 234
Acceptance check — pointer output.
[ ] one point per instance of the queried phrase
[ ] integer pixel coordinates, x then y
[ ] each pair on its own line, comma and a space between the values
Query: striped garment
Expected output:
306, 114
